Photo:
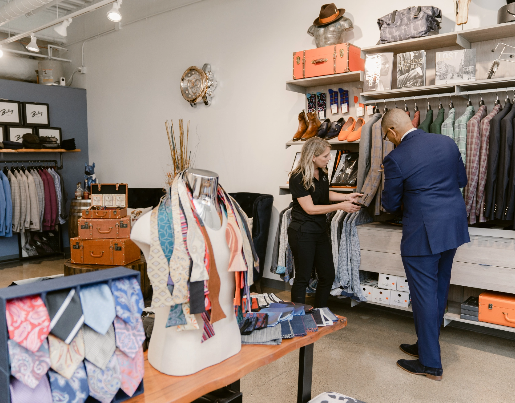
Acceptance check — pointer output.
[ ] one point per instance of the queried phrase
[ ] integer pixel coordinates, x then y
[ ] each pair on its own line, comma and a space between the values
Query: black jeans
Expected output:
310, 250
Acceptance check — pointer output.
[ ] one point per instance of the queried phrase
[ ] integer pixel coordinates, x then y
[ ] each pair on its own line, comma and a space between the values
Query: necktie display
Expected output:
128, 300
65, 311
129, 338
26, 366
104, 383
98, 307
176, 316
21, 393
72, 390
131, 370
65, 358
99, 348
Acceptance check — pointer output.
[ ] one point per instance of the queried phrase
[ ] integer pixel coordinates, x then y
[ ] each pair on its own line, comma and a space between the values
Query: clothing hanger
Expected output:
376, 109
428, 105
469, 103
508, 101
385, 108
416, 107
405, 106
481, 102
440, 106
451, 105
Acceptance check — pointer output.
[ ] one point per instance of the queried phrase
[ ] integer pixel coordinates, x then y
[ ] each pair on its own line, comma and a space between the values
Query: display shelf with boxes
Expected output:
453, 314
333, 79
333, 142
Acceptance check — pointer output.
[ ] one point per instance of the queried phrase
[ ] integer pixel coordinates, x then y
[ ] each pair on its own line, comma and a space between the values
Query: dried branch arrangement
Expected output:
181, 156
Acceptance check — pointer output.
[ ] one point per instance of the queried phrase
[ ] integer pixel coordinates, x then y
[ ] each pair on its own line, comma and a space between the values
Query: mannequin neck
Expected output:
204, 189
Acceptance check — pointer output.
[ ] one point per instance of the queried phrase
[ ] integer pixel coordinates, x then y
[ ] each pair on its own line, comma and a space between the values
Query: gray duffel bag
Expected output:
412, 22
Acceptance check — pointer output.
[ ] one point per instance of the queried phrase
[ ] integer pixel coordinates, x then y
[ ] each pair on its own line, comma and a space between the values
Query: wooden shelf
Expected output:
453, 315
402, 308
301, 84
335, 142
25, 150
284, 190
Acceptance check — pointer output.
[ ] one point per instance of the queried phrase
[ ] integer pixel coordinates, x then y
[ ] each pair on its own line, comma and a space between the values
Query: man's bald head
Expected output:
395, 124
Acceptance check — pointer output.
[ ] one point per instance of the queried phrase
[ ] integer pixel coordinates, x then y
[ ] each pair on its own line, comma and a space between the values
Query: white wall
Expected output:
133, 86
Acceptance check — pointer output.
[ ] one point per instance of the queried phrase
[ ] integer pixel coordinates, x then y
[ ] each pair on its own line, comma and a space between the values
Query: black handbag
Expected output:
412, 22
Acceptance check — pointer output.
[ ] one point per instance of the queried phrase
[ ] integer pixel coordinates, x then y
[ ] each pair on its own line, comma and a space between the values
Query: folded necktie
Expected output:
128, 338
65, 311
329, 314
131, 370
273, 318
128, 299
26, 366
65, 358
21, 393
104, 383
28, 321
73, 390
286, 332
309, 323
297, 325
99, 348
98, 307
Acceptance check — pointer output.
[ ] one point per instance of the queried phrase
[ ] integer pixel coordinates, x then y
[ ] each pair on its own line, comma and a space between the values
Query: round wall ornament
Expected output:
198, 84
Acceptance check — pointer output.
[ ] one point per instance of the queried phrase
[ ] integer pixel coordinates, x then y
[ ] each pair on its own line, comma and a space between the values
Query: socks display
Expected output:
333, 99
312, 102
344, 100
321, 104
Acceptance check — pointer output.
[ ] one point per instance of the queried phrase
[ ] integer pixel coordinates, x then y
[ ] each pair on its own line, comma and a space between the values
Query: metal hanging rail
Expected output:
28, 162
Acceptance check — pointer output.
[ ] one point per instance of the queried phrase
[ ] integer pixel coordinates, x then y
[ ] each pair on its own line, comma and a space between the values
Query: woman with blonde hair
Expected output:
307, 233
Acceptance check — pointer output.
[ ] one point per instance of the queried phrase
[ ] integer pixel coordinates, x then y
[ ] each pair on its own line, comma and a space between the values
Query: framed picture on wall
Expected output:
35, 114
15, 133
50, 137
3, 133
10, 113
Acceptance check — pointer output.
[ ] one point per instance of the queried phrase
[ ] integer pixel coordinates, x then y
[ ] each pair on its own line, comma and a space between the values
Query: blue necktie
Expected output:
74, 390
98, 307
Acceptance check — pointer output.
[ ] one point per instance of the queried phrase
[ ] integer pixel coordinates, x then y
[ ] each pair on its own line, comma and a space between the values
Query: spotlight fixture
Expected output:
33, 46
63, 28
114, 14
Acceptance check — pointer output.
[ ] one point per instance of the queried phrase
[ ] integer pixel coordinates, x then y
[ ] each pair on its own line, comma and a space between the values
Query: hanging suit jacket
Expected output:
8, 232
416, 119
510, 195
365, 144
503, 169
493, 162
374, 175
436, 126
16, 201
426, 124
434, 217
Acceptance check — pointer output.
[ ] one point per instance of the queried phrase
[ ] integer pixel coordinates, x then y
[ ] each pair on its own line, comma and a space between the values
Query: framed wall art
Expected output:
36, 114
50, 132
10, 113
15, 133
3, 133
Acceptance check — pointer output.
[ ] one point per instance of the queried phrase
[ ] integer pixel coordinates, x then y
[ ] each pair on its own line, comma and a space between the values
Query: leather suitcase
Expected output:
108, 252
335, 59
497, 308
105, 229
111, 213
108, 200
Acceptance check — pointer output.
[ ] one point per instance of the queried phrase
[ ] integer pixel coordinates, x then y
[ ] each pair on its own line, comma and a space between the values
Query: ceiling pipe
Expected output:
41, 8
17, 8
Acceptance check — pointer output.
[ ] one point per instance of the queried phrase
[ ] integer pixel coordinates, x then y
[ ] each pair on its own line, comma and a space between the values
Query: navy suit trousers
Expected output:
428, 279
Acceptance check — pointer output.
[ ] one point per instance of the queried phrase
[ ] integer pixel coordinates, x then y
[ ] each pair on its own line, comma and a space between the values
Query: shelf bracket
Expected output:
461, 41
446, 321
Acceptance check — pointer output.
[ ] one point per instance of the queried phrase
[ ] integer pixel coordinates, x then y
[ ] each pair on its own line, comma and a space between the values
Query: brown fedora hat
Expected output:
328, 13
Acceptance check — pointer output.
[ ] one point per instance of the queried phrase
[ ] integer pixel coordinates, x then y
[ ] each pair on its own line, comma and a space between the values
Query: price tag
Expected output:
321, 114
370, 110
360, 111
334, 109
345, 108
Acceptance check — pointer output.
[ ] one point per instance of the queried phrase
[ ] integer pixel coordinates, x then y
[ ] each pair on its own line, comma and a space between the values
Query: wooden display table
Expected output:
139, 265
161, 388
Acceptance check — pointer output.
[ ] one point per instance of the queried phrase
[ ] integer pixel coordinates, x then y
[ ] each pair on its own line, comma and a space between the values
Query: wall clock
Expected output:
198, 84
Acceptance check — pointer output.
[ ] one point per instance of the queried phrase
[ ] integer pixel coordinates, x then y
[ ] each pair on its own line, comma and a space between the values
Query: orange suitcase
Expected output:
335, 59
110, 213
497, 308
105, 229
108, 200
108, 252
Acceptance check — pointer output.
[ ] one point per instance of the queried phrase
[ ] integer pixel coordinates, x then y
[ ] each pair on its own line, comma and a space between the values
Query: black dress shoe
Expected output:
416, 368
335, 129
410, 349
324, 128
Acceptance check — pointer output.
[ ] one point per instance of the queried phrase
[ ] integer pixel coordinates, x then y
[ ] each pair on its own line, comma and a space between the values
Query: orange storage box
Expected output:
105, 228
497, 308
328, 60
108, 252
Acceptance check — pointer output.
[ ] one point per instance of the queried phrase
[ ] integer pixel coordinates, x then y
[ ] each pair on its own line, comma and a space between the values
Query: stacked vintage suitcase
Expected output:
105, 229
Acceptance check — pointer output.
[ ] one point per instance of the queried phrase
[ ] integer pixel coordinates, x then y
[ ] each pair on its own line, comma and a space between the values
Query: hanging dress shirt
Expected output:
448, 124
460, 131
16, 201
41, 196
24, 190
8, 228
3, 208
47, 219
416, 119
34, 202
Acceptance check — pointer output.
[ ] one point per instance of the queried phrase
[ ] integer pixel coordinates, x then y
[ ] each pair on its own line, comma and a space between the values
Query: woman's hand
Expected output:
348, 206
354, 197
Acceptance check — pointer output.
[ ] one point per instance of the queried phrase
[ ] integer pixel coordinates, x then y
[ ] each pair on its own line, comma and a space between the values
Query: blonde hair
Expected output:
313, 147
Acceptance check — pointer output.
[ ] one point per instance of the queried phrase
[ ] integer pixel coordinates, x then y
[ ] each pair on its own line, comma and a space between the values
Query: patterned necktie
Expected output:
73, 390
65, 358
65, 312
129, 338
104, 383
21, 393
176, 316
26, 366
28, 321
99, 348
131, 370
128, 299
98, 307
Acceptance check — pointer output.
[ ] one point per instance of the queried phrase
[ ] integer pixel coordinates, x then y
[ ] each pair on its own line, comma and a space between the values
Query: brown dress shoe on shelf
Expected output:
303, 126
313, 125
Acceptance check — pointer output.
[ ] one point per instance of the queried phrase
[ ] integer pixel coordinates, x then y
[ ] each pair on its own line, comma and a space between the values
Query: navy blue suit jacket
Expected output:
425, 174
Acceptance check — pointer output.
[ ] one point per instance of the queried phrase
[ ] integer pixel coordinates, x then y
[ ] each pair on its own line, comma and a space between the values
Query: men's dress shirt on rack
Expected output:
72, 390
24, 197
21, 393
47, 215
41, 196
448, 124
26, 366
503, 172
98, 307
99, 348
374, 175
416, 119
460, 131
3, 208
484, 131
426, 124
65, 310
16, 201
493, 162
34, 203
283, 242
472, 164
65, 358
104, 383
436, 126
510, 197
365, 146
275, 250
8, 228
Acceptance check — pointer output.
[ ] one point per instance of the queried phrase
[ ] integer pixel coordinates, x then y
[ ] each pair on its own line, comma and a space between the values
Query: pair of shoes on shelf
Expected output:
308, 126
415, 366
329, 130
351, 131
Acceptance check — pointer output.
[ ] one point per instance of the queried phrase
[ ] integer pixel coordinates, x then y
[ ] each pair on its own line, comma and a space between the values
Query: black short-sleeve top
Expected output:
319, 192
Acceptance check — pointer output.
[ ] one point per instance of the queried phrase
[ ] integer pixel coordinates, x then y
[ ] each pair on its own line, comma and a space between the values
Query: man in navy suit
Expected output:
423, 177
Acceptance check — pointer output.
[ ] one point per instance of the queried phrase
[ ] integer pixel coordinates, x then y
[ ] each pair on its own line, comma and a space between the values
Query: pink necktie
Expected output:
131, 370
128, 338
27, 366
21, 393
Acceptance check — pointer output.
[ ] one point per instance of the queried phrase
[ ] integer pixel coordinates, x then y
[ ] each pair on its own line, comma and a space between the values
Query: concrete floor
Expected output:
360, 360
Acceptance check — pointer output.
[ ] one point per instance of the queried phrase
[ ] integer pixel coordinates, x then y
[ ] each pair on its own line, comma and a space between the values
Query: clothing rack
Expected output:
29, 162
